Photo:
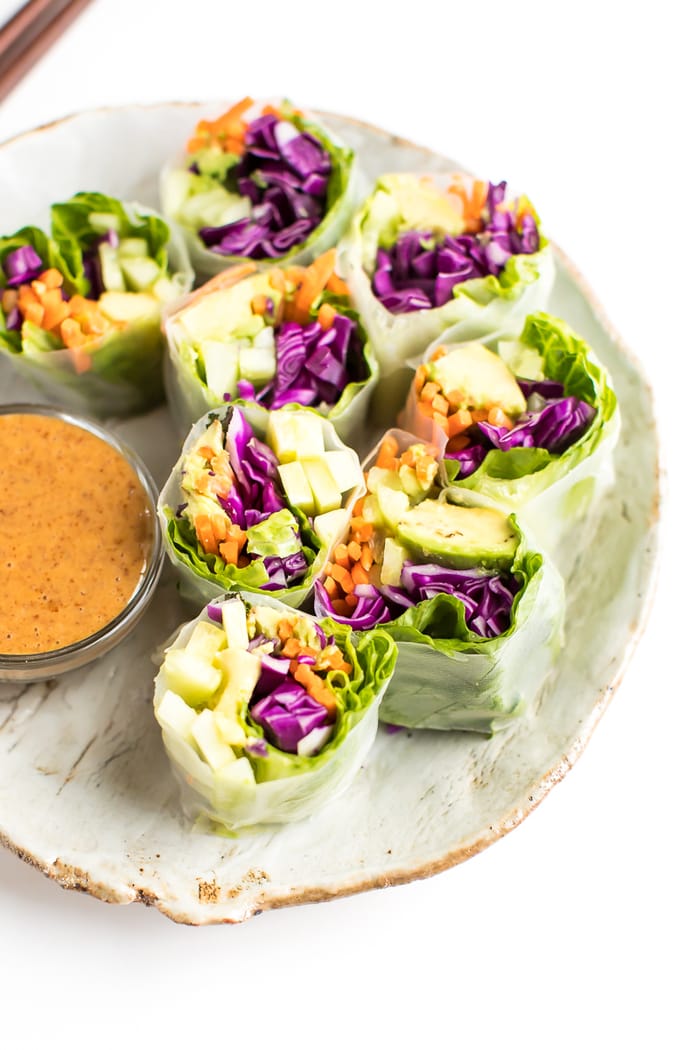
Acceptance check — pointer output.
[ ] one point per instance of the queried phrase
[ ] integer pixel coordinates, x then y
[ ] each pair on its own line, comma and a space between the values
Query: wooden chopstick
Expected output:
29, 34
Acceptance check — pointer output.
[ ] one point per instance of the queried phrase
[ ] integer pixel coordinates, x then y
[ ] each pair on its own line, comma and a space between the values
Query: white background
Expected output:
580, 928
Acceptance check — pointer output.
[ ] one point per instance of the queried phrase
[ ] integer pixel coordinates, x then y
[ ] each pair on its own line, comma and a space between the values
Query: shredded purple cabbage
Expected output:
284, 172
420, 271
256, 493
313, 366
22, 266
553, 422
287, 714
487, 599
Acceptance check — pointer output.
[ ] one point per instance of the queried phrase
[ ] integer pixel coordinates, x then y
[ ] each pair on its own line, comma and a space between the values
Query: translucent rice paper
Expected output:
482, 305
551, 501
472, 683
200, 585
126, 376
326, 235
311, 783
189, 397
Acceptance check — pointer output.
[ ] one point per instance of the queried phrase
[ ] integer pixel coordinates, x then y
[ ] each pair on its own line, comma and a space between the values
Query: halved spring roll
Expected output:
273, 337
257, 509
82, 310
262, 181
426, 251
476, 610
267, 713
528, 422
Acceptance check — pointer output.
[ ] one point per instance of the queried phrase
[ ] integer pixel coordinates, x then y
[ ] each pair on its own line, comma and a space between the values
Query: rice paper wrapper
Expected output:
351, 186
126, 372
552, 497
482, 305
197, 582
288, 787
189, 397
477, 684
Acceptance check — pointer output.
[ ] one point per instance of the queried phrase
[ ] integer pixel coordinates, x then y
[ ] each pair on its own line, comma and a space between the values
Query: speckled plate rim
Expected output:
70, 877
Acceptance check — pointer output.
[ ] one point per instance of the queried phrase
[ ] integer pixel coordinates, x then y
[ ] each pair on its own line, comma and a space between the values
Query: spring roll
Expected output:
272, 338
261, 181
476, 611
266, 713
530, 423
426, 251
81, 310
256, 509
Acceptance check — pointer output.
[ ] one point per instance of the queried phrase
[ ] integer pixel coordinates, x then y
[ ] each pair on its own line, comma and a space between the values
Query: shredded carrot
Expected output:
292, 647
258, 304
352, 601
386, 457
313, 282
420, 378
472, 203
366, 558
479, 415
440, 420
341, 556
429, 391
229, 551
456, 444
498, 418
326, 316
337, 286
315, 687
340, 606
205, 534
458, 422
228, 129
441, 404
354, 550
343, 577
438, 352
285, 630
359, 575
331, 585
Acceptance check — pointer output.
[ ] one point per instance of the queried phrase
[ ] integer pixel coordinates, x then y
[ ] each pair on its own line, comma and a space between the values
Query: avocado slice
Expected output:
480, 376
459, 537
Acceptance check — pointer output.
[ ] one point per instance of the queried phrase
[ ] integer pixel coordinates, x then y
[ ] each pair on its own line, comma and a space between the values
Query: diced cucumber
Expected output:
392, 503
327, 495
294, 436
257, 364
176, 189
220, 366
233, 783
129, 306
175, 714
296, 486
140, 274
242, 670
392, 563
193, 677
112, 276
206, 640
344, 468
328, 525
212, 747
103, 222
235, 624
133, 247
230, 729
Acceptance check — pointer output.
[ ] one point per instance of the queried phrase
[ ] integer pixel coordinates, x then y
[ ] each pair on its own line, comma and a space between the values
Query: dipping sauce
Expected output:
75, 533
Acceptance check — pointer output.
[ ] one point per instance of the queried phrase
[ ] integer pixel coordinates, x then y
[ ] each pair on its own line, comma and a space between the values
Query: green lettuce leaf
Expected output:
73, 232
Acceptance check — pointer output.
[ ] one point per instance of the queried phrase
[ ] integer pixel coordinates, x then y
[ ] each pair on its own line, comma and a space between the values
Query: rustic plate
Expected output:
85, 789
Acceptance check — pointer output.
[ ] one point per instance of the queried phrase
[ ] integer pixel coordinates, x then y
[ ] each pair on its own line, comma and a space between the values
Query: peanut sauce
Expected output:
75, 532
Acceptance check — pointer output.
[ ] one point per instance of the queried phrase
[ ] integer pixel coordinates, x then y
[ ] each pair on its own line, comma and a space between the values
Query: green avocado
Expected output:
458, 537
480, 376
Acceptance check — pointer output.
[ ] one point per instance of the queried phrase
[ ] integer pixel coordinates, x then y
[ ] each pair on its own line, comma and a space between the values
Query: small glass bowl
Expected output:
34, 667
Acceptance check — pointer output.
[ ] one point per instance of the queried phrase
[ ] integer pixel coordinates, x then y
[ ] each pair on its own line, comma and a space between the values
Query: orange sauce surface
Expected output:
75, 532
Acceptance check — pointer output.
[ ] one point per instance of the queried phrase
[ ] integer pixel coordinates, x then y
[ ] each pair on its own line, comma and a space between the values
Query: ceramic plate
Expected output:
86, 793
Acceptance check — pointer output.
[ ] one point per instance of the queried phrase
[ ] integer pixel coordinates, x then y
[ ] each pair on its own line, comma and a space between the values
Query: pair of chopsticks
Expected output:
29, 34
